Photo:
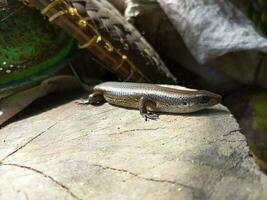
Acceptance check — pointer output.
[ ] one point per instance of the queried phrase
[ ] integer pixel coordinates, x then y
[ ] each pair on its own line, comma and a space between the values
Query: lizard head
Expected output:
207, 99
200, 100
190, 101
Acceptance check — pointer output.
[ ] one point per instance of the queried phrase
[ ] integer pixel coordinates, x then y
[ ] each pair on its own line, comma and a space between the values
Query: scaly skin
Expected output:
153, 98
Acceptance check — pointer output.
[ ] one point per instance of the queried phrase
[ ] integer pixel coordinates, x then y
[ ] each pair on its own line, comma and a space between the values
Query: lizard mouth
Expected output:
216, 100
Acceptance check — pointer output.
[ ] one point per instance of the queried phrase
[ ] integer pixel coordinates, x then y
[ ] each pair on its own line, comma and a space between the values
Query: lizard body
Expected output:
150, 98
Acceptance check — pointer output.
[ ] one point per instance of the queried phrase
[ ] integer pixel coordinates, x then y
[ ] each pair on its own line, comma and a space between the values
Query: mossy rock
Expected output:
31, 49
259, 104
256, 10
258, 132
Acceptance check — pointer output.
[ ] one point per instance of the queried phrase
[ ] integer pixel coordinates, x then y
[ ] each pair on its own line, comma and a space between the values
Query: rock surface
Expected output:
85, 152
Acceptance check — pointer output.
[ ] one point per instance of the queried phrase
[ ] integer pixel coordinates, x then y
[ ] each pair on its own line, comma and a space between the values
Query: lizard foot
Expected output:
82, 101
95, 98
151, 116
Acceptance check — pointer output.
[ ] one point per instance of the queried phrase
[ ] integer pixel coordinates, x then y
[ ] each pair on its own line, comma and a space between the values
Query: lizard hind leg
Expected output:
144, 102
95, 98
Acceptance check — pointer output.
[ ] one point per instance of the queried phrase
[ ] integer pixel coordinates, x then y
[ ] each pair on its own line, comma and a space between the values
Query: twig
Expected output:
12, 13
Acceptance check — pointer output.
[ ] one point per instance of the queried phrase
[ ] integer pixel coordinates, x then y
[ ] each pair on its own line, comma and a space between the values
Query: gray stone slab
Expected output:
106, 152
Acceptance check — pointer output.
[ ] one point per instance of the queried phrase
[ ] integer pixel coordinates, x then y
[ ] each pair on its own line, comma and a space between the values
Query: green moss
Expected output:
259, 104
258, 148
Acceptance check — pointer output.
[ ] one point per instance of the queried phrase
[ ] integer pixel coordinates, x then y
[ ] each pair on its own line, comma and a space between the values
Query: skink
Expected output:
151, 98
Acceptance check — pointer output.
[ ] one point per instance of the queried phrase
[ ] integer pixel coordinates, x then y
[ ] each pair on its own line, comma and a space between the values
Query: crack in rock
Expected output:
228, 140
44, 175
232, 132
135, 130
105, 111
26, 195
197, 193
138, 176
32, 139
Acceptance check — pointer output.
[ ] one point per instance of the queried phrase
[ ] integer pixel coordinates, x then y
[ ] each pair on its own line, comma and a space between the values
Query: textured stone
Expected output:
186, 32
105, 152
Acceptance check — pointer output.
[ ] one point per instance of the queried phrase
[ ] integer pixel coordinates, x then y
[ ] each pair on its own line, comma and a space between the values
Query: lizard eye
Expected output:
184, 103
204, 99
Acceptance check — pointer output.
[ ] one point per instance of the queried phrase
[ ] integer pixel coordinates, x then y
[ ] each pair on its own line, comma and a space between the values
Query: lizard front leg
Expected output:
95, 98
144, 103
